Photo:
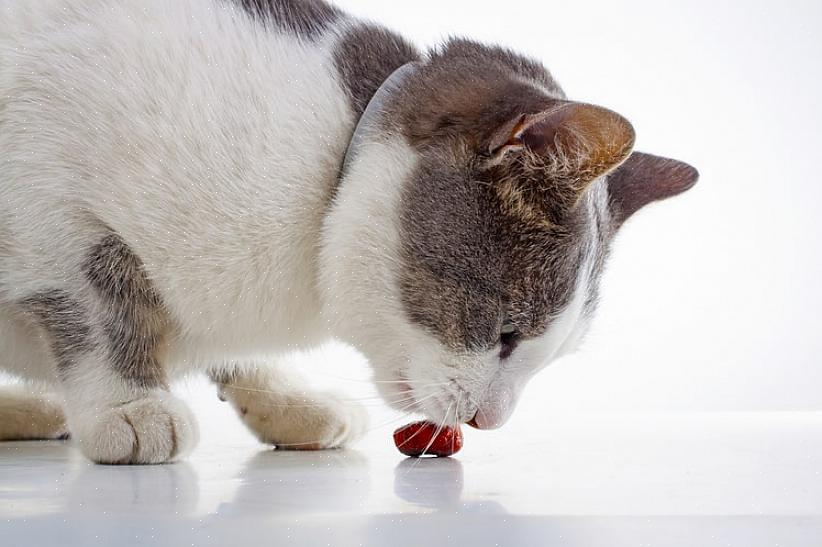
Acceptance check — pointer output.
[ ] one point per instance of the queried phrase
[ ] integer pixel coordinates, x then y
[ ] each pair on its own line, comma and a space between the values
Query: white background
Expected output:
712, 300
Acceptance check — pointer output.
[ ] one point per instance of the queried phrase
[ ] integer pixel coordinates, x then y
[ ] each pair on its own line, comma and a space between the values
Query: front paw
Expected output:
150, 430
317, 422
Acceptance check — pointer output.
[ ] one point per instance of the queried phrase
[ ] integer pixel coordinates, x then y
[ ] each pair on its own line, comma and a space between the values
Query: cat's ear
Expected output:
577, 142
644, 178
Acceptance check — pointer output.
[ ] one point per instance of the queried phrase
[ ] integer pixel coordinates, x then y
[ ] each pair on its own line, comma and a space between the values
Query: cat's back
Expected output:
174, 95
205, 87
191, 128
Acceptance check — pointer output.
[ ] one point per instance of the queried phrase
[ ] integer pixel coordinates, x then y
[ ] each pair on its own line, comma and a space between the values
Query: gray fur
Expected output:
308, 19
644, 178
470, 262
469, 266
134, 320
66, 324
366, 57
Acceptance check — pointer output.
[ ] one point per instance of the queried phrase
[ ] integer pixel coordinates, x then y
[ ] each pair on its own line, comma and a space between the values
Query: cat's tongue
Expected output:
426, 438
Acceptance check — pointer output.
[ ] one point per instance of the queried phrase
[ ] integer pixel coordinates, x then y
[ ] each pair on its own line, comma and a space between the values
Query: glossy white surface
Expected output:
583, 480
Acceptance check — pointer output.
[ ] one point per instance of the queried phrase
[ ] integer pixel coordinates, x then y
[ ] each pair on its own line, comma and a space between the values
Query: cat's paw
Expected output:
318, 422
151, 430
25, 416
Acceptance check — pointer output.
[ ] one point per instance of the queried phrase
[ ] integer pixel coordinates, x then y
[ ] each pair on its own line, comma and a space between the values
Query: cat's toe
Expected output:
355, 425
340, 422
327, 421
150, 430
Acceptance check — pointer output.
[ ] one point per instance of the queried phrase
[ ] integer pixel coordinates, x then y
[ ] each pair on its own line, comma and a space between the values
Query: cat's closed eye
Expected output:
509, 336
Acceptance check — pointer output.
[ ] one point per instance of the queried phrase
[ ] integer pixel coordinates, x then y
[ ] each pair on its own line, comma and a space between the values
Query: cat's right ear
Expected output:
576, 142
645, 178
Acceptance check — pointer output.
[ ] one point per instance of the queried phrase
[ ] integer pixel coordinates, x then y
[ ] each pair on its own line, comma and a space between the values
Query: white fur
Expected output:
211, 149
157, 428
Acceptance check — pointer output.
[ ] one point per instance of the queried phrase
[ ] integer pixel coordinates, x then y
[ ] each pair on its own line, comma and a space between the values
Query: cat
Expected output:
195, 185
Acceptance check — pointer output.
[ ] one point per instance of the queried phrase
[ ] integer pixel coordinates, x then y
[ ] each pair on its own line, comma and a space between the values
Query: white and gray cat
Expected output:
187, 185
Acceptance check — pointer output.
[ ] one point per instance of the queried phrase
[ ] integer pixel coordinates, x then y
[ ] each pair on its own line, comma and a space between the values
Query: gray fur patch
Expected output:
134, 321
308, 19
66, 323
468, 266
482, 56
472, 258
366, 57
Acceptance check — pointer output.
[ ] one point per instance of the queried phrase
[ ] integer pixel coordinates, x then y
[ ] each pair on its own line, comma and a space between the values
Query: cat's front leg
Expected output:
281, 410
106, 330
145, 426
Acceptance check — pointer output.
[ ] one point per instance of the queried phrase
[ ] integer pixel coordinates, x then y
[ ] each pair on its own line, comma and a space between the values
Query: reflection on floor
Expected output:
689, 480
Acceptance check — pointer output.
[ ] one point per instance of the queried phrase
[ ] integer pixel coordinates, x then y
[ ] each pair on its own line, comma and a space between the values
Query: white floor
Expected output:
583, 480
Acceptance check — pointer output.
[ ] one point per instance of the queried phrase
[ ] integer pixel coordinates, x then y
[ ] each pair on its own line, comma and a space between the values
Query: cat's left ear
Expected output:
644, 178
576, 142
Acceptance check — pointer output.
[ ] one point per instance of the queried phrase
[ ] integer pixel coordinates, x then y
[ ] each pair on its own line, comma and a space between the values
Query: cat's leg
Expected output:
280, 409
27, 415
28, 411
107, 337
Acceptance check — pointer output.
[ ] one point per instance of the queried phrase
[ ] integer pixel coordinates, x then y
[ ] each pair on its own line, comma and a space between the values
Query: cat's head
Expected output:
464, 249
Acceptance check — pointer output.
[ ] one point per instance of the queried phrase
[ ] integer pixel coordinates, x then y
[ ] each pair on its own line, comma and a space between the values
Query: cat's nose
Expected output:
490, 418
494, 408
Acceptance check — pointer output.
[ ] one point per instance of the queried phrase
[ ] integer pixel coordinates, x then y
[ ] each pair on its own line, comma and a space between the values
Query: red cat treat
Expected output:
422, 439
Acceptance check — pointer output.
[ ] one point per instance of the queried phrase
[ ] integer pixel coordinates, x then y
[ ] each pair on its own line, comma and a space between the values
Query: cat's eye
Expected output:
509, 337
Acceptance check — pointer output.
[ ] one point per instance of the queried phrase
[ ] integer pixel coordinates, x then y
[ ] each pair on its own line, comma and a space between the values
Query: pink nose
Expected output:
494, 410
